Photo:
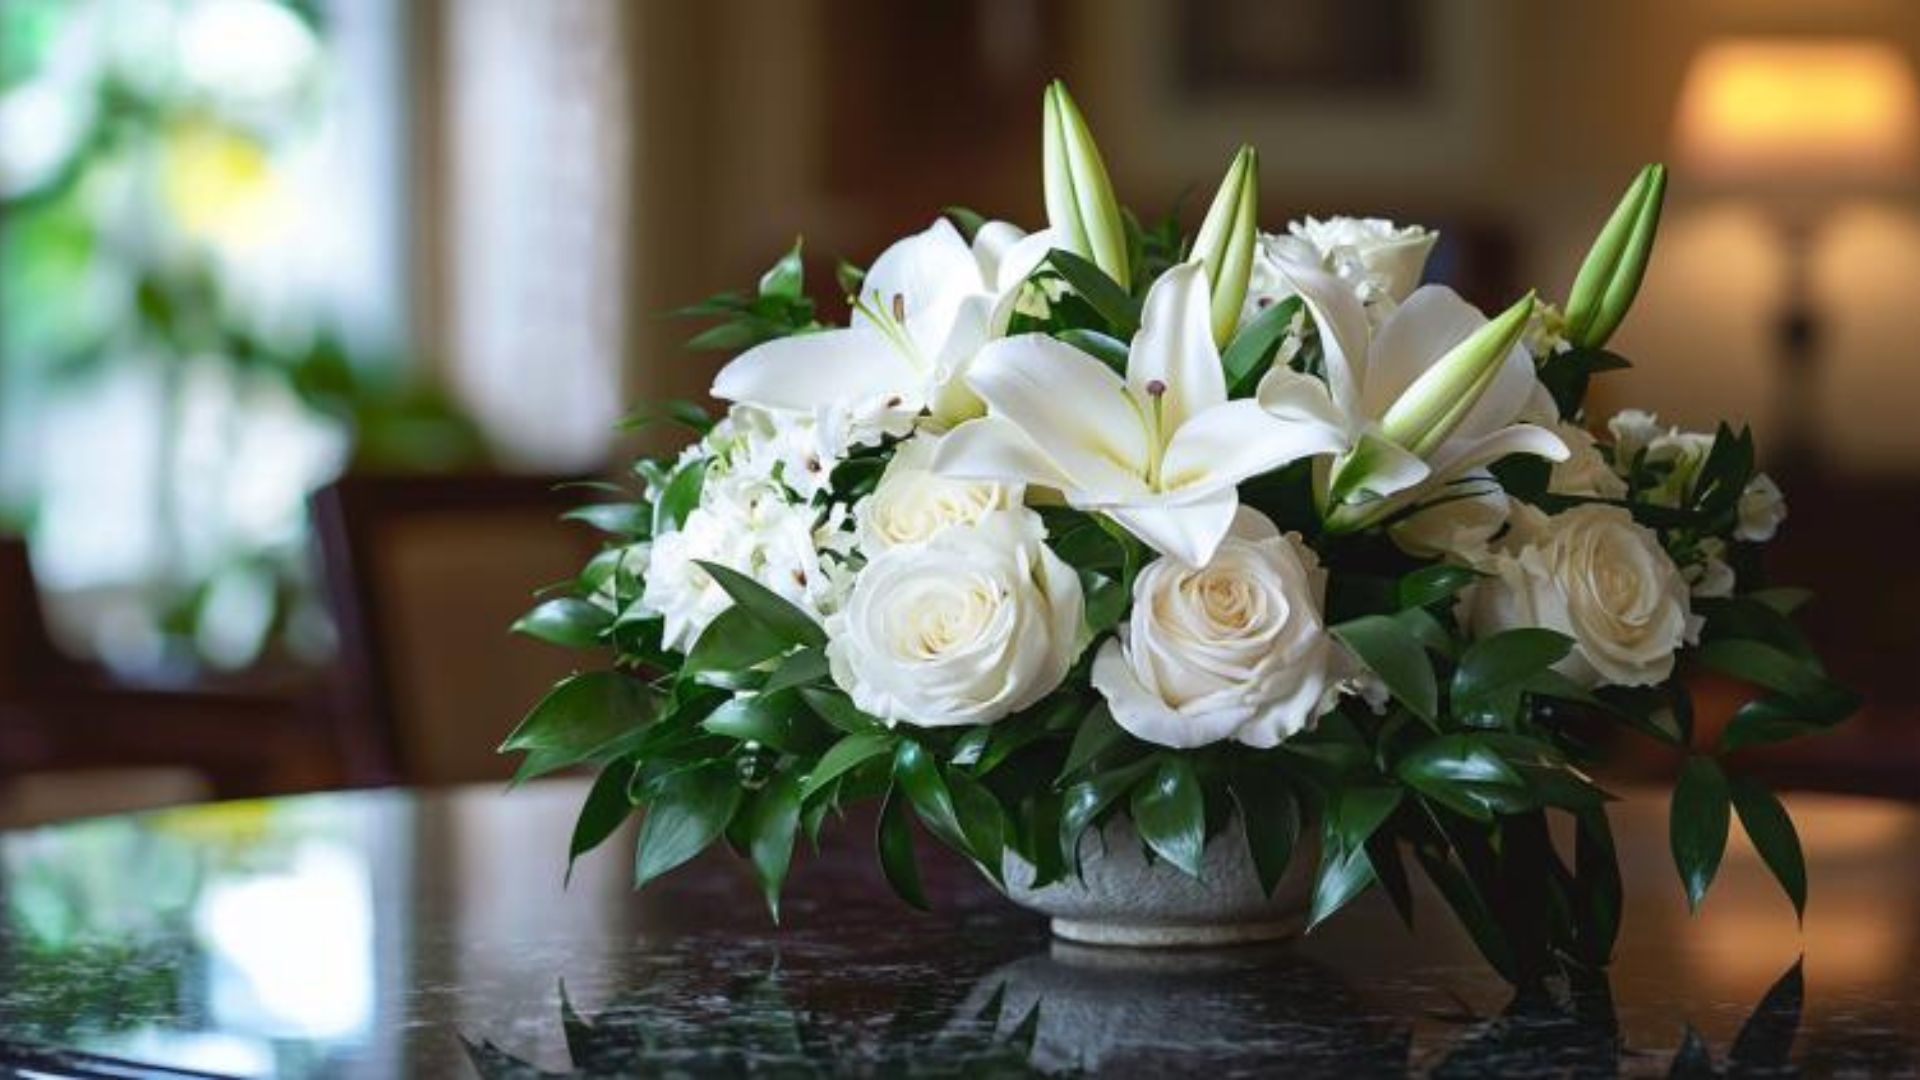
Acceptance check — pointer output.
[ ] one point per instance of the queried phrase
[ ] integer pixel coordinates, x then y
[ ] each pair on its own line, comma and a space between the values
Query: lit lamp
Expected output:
1798, 123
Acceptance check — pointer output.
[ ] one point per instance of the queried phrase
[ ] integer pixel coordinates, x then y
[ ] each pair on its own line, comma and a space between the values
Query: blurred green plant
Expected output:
132, 170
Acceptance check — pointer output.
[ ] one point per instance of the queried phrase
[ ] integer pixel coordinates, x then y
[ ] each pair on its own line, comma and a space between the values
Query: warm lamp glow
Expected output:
1766, 112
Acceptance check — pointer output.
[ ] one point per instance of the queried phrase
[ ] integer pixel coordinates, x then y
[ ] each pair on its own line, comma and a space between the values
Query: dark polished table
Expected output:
396, 933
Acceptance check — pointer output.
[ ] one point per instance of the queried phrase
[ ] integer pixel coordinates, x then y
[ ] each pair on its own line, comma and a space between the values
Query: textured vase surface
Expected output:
1125, 897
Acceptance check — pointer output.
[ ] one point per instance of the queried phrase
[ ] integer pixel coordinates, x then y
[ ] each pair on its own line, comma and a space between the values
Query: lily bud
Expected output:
1427, 412
1080, 206
1609, 279
1226, 238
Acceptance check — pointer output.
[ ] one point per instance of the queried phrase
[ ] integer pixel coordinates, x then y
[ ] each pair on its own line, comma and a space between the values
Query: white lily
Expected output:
1436, 392
925, 308
1161, 450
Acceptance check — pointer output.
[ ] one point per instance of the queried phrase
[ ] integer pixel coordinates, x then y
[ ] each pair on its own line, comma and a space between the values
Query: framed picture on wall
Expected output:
1334, 93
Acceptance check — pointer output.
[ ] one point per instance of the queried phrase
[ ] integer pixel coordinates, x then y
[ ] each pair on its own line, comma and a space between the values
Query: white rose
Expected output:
1762, 508
1458, 525
1595, 575
978, 622
1382, 261
912, 504
1236, 649
1585, 472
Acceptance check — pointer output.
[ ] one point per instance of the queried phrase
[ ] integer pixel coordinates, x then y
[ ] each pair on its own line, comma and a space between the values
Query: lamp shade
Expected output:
1799, 113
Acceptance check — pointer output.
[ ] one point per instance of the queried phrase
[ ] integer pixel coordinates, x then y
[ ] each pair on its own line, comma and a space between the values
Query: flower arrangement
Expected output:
1101, 520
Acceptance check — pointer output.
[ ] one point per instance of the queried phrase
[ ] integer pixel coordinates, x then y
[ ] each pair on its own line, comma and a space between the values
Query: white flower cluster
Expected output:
944, 603
757, 514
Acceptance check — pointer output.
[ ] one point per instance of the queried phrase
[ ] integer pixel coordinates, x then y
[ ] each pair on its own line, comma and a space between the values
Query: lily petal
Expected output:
1343, 327
1458, 455
809, 370
1008, 256
992, 448
1071, 406
1375, 469
1175, 348
1231, 442
1189, 532
1420, 331
1295, 397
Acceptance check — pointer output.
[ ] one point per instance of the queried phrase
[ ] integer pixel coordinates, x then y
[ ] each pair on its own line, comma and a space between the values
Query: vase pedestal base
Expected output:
1145, 935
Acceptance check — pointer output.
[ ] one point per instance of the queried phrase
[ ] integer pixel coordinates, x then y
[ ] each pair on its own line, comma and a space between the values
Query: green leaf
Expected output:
577, 719
803, 667
1697, 825
1397, 657
687, 414
916, 773
772, 820
837, 708
1343, 876
1465, 774
1105, 348
1170, 814
1504, 664
1598, 892
1085, 801
1566, 375
1774, 837
1106, 601
777, 720
969, 221
1772, 669
1457, 888
1433, 584
686, 813
784, 278
679, 498
626, 519
894, 839
1098, 733
1769, 720
773, 611
983, 822
1784, 600
849, 277
1270, 813
1120, 310
1251, 350
849, 752
604, 811
735, 641
566, 621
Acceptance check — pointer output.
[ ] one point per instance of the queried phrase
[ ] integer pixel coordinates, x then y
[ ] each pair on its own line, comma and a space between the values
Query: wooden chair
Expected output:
74, 742
425, 576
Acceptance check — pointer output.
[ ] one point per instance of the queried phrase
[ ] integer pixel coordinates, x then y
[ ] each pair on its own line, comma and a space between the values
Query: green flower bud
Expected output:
1609, 279
1226, 238
1427, 412
1080, 204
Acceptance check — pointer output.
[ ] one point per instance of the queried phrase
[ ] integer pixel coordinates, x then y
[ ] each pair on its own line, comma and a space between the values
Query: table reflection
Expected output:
400, 934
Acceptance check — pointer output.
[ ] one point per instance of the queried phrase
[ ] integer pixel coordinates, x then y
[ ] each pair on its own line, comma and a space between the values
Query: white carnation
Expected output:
978, 622
1237, 649
1762, 508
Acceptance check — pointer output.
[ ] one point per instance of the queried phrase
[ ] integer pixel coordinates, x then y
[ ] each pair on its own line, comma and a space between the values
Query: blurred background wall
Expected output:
248, 246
